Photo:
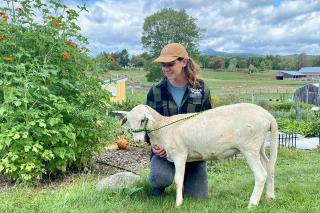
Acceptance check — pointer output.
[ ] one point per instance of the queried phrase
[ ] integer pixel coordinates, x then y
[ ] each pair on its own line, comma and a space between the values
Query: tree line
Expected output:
168, 26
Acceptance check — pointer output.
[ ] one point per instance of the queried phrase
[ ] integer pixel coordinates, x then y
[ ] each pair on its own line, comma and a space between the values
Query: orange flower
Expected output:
111, 58
66, 55
56, 24
71, 43
68, 42
5, 17
8, 59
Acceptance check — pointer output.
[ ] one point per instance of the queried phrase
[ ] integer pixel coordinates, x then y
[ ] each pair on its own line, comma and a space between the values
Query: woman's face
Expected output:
174, 70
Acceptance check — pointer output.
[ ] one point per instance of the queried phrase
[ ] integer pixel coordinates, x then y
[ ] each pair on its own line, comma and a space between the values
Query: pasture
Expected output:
235, 86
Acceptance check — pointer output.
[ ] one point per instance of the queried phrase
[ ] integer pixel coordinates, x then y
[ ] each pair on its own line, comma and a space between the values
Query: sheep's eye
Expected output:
142, 122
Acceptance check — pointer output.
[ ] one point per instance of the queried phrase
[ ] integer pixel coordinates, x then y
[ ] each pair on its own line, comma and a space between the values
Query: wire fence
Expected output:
256, 95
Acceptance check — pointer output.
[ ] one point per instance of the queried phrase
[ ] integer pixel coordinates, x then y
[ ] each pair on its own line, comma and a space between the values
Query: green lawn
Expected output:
231, 183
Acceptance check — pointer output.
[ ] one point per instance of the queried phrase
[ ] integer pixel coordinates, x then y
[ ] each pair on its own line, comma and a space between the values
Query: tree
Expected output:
302, 60
232, 68
140, 60
123, 58
216, 63
168, 26
252, 69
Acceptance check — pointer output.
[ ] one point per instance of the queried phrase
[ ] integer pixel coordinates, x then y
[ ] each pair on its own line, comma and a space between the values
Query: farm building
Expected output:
310, 71
309, 94
304, 72
291, 74
117, 89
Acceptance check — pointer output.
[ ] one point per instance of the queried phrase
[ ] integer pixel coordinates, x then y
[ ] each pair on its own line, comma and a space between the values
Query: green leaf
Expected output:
17, 103
59, 151
42, 124
16, 136
53, 121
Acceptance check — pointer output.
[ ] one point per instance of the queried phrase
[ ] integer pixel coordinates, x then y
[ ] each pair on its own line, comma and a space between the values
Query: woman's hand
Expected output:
161, 152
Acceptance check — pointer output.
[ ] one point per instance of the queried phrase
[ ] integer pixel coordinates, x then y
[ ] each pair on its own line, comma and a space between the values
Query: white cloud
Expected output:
255, 26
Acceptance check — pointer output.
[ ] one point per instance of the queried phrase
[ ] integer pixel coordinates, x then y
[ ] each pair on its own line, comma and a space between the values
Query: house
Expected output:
304, 72
117, 89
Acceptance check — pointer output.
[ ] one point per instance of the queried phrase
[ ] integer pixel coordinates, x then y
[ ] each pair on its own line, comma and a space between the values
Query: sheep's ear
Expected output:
124, 119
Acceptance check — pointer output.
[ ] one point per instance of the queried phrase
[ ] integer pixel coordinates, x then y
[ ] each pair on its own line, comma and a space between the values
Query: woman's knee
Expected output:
161, 172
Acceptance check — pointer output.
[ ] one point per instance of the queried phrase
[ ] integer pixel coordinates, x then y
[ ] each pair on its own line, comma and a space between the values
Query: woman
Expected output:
181, 91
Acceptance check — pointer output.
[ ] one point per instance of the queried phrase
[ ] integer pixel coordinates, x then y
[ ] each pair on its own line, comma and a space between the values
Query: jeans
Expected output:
195, 179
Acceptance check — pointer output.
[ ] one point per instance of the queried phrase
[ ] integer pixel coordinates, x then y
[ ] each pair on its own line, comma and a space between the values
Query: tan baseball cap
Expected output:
171, 52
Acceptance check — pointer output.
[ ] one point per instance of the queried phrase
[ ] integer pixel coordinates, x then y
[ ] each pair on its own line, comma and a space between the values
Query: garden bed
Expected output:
134, 159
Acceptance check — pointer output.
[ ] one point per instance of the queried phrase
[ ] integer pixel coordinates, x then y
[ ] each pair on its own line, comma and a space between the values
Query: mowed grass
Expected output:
230, 183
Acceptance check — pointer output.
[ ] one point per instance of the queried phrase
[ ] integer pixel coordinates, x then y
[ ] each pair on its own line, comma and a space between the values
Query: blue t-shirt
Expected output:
176, 92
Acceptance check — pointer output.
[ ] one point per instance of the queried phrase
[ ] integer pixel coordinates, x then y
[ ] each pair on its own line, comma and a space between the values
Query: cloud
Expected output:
255, 26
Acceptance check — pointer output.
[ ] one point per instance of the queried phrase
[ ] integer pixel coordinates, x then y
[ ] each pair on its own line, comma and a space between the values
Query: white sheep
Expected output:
213, 134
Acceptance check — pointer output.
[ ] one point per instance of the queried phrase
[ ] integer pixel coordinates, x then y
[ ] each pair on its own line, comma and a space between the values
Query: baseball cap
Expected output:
171, 52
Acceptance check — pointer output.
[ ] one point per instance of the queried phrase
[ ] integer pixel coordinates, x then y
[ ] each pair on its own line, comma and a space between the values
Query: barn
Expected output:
309, 94
310, 71
291, 74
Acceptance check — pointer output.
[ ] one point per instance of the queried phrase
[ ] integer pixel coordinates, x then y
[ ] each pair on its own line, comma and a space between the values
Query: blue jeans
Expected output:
195, 179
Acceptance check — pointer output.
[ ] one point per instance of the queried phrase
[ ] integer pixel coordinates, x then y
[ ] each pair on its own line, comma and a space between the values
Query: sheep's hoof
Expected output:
178, 204
252, 205
270, 198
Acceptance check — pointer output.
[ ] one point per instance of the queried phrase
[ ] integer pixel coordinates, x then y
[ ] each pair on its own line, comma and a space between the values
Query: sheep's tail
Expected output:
273, 144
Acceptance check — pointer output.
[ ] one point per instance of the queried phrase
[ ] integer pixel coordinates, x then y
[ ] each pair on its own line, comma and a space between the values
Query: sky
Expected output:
234, 26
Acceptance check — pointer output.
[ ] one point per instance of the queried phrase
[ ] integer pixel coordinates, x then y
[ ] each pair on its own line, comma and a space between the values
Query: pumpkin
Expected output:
122, 143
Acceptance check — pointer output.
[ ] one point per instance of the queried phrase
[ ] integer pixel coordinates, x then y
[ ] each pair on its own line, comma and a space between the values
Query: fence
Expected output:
288, 140
255, 95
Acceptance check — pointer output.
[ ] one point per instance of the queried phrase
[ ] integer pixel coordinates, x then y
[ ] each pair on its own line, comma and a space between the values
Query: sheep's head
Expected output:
137, 119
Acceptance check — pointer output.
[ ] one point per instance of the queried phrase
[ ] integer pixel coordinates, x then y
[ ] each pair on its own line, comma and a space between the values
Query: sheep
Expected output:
212, 135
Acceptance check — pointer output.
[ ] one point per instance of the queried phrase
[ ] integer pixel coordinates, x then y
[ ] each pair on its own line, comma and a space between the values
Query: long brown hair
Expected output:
191, 71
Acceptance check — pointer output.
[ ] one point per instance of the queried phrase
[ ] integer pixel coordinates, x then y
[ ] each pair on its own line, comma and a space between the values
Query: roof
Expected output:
296, 73
114, 80
307, 70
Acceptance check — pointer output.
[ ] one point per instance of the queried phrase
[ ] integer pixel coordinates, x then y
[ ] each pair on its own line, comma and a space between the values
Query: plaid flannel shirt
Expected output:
194, 100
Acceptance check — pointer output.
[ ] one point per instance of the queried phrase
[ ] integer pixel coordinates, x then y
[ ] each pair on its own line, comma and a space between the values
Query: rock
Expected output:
118, 181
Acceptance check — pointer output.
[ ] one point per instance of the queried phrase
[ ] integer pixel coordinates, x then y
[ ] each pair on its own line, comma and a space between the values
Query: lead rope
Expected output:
145, 129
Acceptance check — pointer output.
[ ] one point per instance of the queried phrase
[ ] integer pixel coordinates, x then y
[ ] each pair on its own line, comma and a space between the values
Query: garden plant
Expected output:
52, 109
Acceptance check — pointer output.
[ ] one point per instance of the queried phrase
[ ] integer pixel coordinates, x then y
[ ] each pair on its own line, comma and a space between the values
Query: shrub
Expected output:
215, 100
288, 105
52, 115
305, 128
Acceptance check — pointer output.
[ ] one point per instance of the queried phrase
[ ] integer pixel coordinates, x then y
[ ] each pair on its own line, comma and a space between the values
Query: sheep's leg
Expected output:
260, 176
180, 165
270, 176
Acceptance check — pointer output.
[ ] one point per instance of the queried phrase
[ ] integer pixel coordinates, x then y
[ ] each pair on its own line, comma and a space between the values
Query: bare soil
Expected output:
133, 159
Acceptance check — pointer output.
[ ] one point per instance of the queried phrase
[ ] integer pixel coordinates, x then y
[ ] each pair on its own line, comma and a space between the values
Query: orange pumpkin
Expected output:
122, 143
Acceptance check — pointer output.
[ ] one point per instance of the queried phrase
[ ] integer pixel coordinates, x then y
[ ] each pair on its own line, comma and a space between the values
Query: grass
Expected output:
230, 184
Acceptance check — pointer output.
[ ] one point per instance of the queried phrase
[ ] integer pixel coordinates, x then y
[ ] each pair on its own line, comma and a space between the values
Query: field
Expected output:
297, 190
232, 85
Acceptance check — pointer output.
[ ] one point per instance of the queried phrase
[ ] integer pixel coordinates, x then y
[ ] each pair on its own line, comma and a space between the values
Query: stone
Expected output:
118, 181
